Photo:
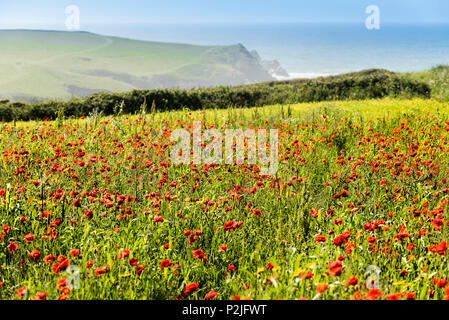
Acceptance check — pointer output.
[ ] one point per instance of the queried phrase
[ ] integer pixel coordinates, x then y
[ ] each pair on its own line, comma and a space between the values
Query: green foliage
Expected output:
438, 80
368, 84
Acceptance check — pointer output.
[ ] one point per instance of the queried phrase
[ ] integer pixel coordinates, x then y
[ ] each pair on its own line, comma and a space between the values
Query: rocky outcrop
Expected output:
273, 67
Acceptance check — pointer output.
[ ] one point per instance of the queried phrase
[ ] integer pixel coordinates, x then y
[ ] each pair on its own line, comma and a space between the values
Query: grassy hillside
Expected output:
438, 80
58, 65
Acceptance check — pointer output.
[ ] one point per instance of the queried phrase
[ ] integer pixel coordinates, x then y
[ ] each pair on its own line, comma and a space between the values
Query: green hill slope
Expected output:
37, 65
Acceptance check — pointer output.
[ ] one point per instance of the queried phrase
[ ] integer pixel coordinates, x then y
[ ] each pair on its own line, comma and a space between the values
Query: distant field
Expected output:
36, 65
370, 109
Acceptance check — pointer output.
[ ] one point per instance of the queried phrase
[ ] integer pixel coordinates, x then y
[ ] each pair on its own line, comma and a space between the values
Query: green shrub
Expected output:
367, 84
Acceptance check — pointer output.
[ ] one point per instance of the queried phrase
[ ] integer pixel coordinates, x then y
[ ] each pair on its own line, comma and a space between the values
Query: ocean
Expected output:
310, 50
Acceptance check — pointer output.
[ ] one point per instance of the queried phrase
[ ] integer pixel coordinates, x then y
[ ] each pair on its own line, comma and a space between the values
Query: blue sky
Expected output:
37, 13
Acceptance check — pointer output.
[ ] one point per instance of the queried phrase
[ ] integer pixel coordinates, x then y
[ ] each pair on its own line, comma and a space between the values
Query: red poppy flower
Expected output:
34, 255
140, 268
76, 203
210, 295
373, 294
321, 287
21, 292
55, 268
99, 271
198, 254
40, 296
190, 288
306, 275
158, 219
123, 254
61, 283
393, 296
165, 263
74, 252
410, 296
441, 248
87, 213
352, 281
12, 247
335, 268
29, 237
64, 264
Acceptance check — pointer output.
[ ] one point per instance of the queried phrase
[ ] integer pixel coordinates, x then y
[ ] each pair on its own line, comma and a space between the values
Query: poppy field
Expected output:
93, 208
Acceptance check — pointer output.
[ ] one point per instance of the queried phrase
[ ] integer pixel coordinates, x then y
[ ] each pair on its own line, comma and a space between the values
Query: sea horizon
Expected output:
305, 50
